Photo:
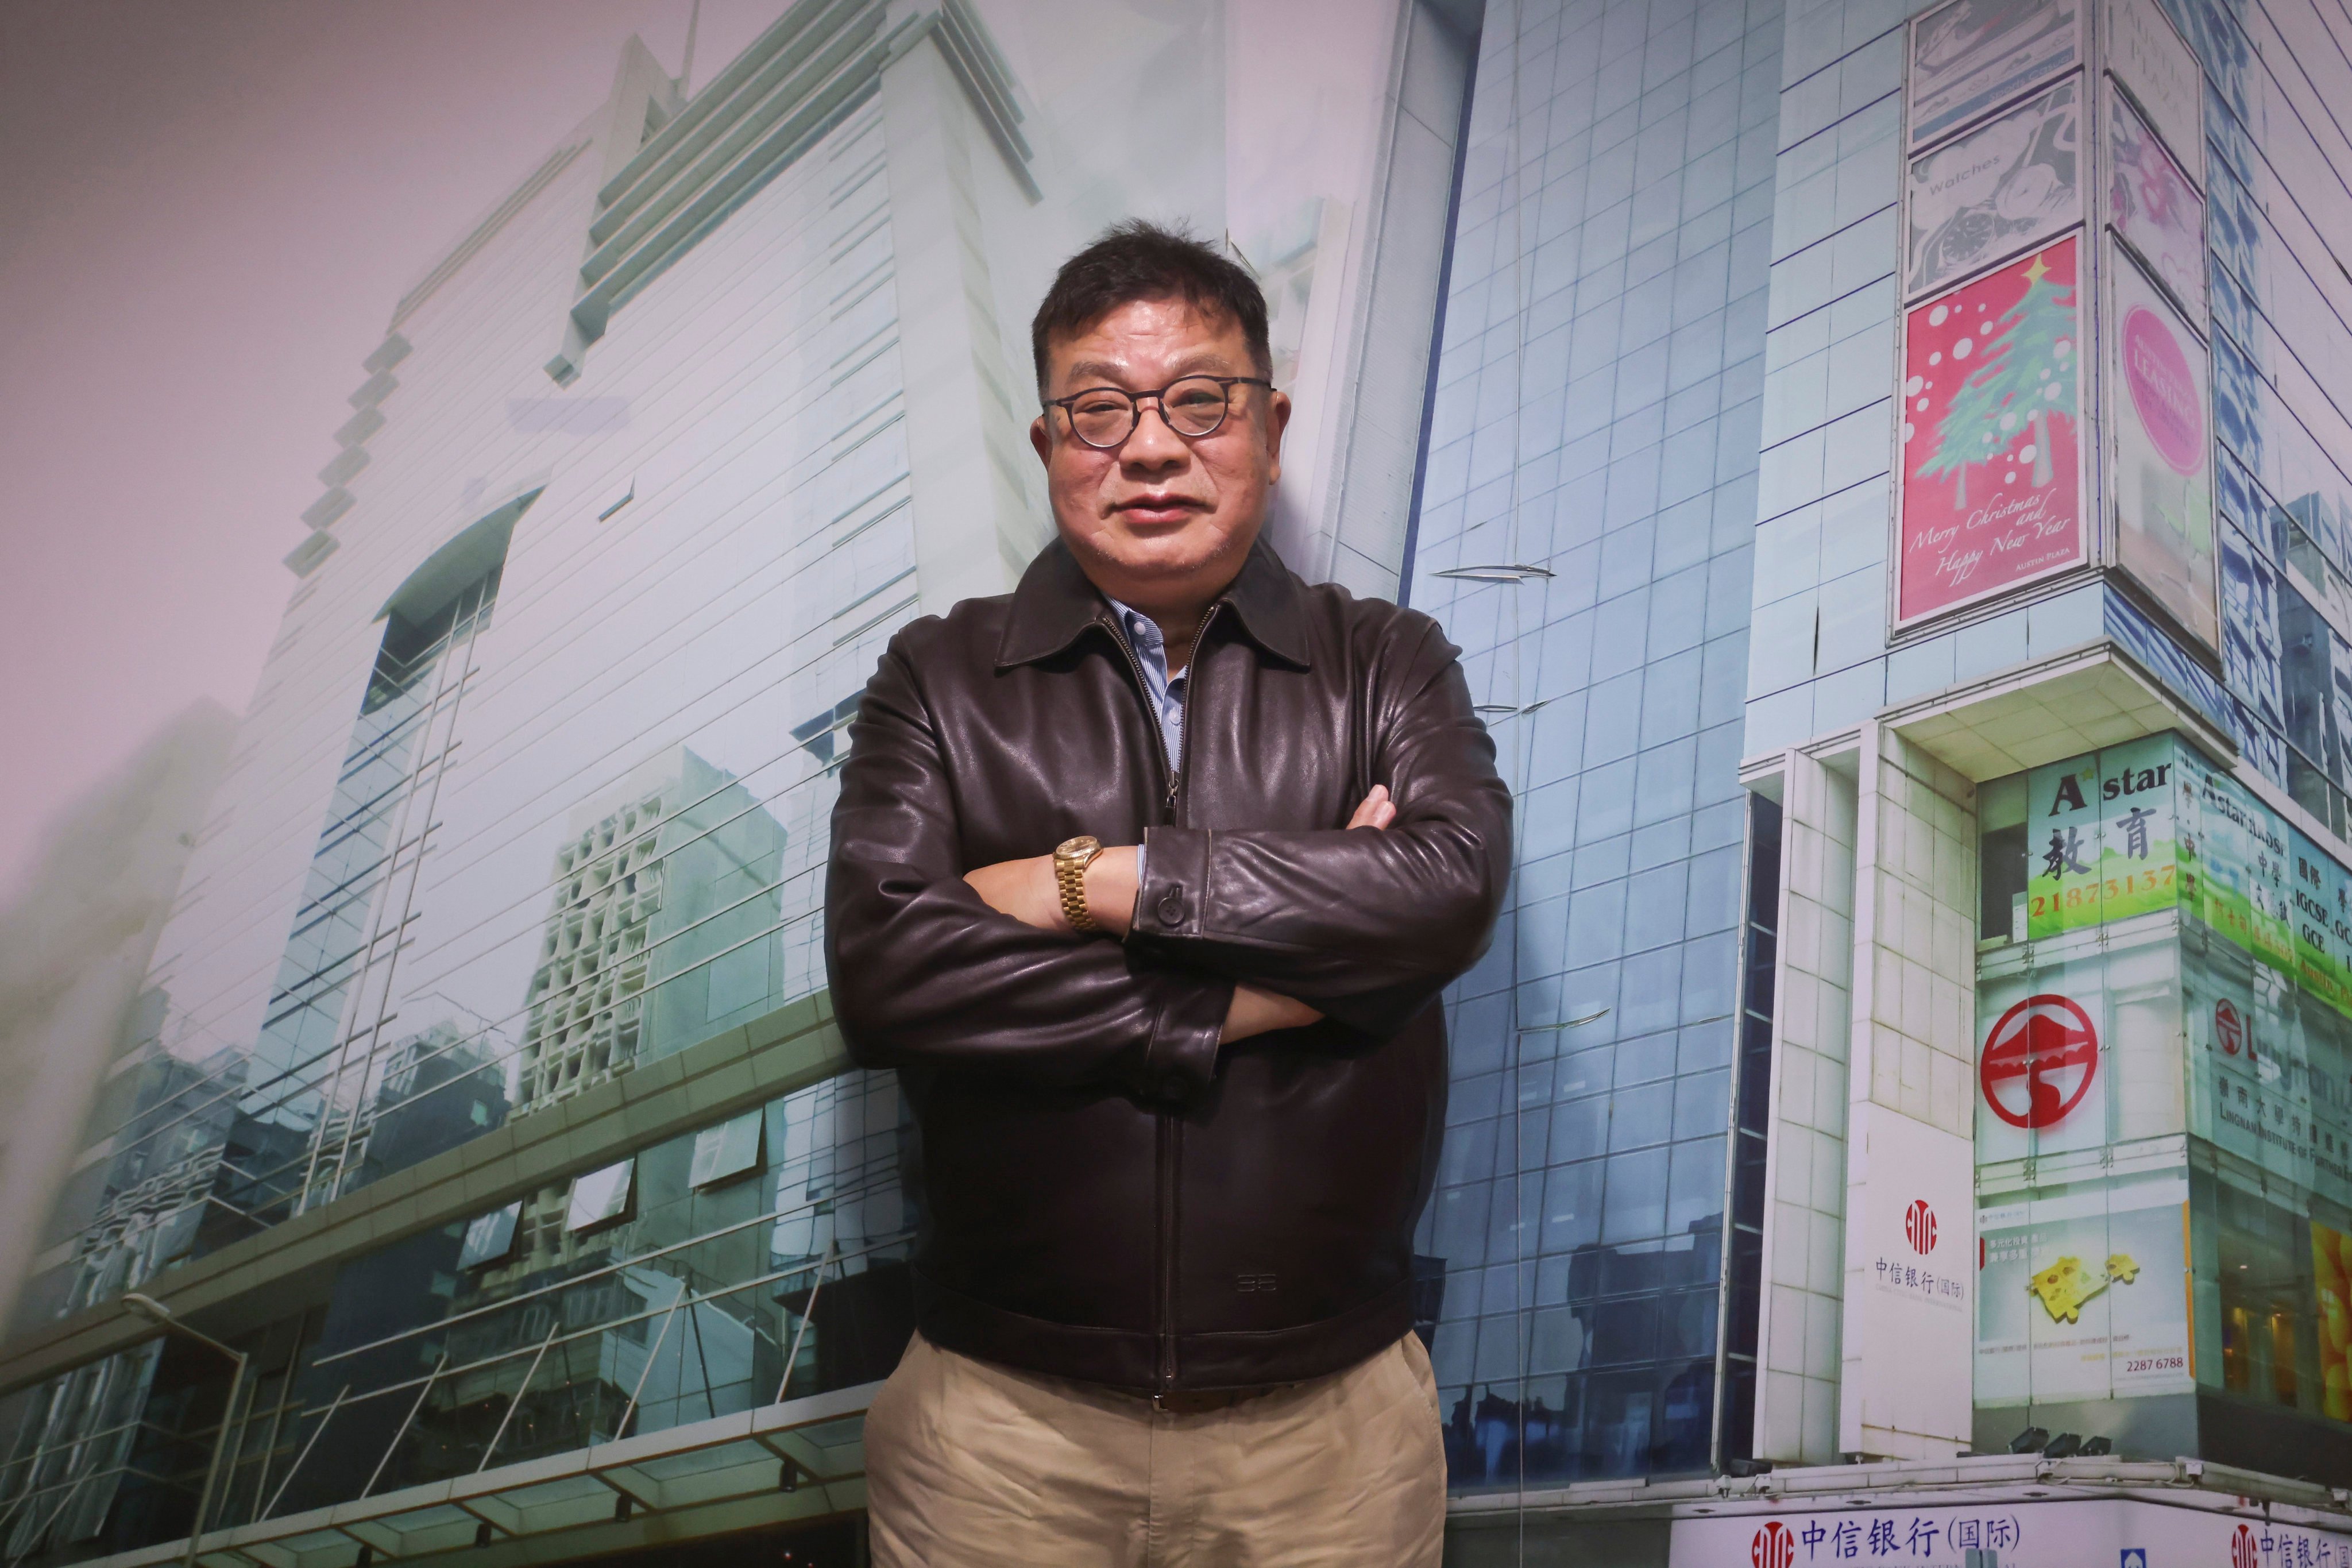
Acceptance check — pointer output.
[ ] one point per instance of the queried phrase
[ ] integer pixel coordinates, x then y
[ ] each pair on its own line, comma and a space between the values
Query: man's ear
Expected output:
1277, 420
1041, 437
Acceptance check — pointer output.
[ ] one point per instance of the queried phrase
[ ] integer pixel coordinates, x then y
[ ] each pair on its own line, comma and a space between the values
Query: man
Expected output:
1180, 1098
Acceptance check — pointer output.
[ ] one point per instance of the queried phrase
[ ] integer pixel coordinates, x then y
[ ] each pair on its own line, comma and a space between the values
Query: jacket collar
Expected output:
1055, 603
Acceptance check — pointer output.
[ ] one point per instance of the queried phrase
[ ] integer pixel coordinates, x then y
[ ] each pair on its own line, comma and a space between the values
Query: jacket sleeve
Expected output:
925, 973
1365, 926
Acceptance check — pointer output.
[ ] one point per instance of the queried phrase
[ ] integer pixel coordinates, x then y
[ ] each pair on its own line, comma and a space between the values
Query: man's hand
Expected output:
1375, 810
1026, 890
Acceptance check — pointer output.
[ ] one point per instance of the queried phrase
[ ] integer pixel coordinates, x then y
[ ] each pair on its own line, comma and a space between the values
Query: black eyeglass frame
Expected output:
1160, 395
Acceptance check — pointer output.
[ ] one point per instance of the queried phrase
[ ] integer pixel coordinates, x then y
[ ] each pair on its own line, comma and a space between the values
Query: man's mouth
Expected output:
1159, 508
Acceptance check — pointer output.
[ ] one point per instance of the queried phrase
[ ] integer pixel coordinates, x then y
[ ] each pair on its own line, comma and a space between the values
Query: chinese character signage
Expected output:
1911, 1316
1992, 458
2002, 188
2154, 63
2106, 1026
2092, 1533
1971, 56
2154, 207
2084, 1295
2100, 837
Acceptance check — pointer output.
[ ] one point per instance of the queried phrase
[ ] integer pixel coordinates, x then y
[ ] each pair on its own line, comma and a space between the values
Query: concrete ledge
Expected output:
2076, 700
705, 1478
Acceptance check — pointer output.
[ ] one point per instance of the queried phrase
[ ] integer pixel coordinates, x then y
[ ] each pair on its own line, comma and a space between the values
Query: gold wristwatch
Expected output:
1071, 858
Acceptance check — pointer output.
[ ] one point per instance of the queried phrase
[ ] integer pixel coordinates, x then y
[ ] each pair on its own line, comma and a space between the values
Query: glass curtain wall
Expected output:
1587, 504
234, 1144
758, 1260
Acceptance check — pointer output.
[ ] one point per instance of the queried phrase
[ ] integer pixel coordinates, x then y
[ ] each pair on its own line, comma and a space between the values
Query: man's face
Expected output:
1162, 521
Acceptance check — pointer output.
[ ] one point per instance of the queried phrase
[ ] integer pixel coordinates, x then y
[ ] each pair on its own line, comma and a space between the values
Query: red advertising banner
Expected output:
1991, 464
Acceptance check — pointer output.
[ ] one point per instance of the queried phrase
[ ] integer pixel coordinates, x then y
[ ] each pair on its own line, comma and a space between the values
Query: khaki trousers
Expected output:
972, 1465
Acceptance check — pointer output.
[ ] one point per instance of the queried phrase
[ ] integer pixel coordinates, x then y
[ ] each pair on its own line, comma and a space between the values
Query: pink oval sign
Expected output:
2163, 390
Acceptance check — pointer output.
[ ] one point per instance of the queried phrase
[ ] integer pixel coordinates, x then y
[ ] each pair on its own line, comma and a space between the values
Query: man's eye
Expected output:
1099, 405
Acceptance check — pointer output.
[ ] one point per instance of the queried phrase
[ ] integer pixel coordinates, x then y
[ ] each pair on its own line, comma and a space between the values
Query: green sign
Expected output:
2101, 838
2234, 863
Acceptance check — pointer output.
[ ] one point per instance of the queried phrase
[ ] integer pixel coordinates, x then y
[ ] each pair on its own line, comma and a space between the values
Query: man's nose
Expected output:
1153, 442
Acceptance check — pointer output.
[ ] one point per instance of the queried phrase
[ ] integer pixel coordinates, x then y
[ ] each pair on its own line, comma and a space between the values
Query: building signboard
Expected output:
2155, 65
1909, 1311
2076, 1042
2101, 838
2084, 1294
2154, 207
2272, 1079
2091, 1533
2235, 862
1991, 447
2002, 188
1971, 56
2161, 472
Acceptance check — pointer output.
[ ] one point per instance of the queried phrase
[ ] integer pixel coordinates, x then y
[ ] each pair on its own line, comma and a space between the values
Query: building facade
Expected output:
496, 974
1886, 469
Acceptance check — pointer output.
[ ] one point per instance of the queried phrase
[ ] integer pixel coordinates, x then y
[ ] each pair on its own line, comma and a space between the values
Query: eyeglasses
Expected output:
1191, 406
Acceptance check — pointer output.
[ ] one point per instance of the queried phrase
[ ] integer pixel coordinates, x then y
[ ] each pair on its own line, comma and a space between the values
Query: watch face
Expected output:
1070, 848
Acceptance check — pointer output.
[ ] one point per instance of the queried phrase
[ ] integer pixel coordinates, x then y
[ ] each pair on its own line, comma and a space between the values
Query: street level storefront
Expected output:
2164, 1115
1987, 1511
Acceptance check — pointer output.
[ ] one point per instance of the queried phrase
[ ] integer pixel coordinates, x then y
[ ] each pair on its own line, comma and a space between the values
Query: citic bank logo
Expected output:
2039, 1061
1919, 1228
2242, 1553
1775, 1546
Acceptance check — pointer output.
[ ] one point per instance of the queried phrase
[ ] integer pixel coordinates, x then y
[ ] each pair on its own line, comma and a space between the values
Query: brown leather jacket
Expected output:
1107, 1194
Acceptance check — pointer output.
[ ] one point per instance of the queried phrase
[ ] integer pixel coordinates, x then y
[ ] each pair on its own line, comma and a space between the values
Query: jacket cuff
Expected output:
1172, 882
1181, 1060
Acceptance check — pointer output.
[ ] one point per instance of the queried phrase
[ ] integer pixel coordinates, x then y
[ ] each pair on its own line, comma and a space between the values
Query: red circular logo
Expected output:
2229, 1027
2242, 1553
1919, 1226
2039, 1061
1775, 1546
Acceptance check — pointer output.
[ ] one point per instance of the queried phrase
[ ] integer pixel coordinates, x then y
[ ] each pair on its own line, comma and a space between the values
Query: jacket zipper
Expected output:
1170, 769
1168, 1129
1184, 714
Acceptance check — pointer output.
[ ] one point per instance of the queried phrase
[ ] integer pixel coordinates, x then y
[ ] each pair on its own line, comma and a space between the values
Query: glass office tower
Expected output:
1587, 504
1884, 467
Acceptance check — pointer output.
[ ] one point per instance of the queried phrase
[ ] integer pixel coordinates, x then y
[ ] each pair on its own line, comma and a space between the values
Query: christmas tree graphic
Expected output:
2023, 375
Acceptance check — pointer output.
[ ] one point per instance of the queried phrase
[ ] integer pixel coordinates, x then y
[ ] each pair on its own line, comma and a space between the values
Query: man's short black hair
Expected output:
1140, 260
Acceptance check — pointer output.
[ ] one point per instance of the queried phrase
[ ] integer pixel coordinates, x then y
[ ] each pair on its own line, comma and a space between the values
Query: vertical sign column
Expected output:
1804, 1171
1908, 1325
2159, 488
1992, 488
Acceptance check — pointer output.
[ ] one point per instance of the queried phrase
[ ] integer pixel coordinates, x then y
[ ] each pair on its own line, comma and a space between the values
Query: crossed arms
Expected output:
1235, 933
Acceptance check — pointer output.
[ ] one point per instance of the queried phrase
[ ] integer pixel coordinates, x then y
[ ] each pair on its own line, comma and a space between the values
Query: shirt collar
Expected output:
1141, 627
1055, 603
